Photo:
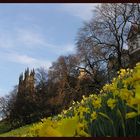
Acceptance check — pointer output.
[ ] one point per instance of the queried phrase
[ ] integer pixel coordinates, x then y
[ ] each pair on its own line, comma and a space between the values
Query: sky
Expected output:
35, 35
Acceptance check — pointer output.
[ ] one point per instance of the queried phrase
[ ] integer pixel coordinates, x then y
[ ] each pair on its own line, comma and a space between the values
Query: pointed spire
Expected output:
32, 72
26, 73
21, 77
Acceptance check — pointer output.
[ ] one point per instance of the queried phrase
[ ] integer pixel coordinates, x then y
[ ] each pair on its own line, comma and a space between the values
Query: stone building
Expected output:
82, 74
27, 82
134, 44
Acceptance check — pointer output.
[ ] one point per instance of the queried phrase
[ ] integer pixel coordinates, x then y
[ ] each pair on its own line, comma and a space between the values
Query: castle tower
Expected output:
26, 77
26, 74
32, 81
27, 83
20, 85
82, 74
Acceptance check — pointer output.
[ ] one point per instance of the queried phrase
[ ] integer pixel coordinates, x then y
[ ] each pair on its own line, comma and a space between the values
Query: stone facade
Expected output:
134, 44
27, 82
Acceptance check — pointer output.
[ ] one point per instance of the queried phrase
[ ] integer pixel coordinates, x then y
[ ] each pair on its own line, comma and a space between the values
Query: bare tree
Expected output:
64, 74
41, 75
106, 34
3, 107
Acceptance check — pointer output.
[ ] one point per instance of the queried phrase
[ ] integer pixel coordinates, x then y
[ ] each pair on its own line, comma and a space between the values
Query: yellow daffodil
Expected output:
122, 73
84, 98
131, 115
134, 101
111, 103
82, 101
93, 116
97, 103
125, 94
106, 88
83, 133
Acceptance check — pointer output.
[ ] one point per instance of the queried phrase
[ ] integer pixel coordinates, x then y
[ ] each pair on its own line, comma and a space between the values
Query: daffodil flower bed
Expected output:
114, 112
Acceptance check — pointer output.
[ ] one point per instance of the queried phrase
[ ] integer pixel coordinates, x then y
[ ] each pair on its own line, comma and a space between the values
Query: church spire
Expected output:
32, 73
26, 74
21, 77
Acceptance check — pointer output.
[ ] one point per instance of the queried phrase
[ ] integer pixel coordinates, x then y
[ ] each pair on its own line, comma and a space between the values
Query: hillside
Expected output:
114, 112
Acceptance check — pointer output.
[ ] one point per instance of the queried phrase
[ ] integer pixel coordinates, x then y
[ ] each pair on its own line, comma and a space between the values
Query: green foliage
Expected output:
114, 112
20, 132
4, 126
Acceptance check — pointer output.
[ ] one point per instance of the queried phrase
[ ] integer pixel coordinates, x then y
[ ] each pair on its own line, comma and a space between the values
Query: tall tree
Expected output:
106, 34
64, 73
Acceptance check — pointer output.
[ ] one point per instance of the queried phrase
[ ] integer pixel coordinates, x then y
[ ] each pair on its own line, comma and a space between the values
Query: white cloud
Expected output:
83, 11
63, 49
30, 37
23, 39
24, 46
33, 39
15, 48
27, 60
17, 37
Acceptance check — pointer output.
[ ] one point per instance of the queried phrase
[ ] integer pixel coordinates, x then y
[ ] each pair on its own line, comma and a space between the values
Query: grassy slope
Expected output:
19, 132
130, 116
4, 126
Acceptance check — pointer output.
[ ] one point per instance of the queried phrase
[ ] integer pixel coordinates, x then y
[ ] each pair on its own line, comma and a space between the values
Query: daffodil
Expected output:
125, 94
64, 111
48, 131
73, 102
122, 73
83, 133
82, 101
137, 90
111, 103
80, 125
68, 127
134, 101
93, 116
97, 103
106, 88
101, 91
84, 98
131, 115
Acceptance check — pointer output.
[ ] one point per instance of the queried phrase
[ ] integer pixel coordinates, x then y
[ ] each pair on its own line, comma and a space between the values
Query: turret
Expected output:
32, 81
26, 73
20, 86
32, 73
27, 83
21, 77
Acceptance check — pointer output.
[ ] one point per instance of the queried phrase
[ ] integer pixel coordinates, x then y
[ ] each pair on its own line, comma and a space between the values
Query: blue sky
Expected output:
35, 35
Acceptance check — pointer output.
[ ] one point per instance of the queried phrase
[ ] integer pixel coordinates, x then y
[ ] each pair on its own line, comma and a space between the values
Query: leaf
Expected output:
105, 116
137, 88
122, 120
120, 84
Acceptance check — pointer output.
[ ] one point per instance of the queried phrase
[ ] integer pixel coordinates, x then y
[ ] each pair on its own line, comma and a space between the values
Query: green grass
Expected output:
4, 126
19, 132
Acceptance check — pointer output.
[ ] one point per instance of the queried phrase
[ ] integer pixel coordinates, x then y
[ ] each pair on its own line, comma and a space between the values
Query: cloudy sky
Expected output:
35, 35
